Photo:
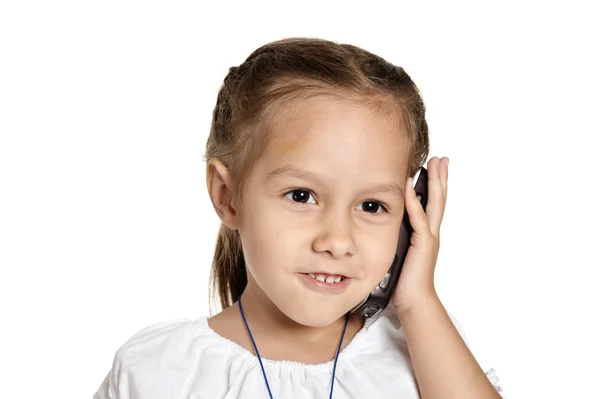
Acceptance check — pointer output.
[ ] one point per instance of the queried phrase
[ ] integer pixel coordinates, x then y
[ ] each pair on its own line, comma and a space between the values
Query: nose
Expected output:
335, 236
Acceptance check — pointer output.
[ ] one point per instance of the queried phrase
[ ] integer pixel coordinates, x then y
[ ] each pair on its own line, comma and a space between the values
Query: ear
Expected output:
218, 181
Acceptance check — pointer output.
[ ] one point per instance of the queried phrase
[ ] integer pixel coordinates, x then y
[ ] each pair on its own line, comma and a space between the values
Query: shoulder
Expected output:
385, 340
160, 341
158, 359
386, 328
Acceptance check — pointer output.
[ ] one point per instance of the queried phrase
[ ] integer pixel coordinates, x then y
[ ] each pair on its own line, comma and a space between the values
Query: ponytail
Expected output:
228, 273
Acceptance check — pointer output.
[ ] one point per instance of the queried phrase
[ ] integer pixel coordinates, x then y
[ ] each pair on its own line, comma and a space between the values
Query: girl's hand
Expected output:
416, 279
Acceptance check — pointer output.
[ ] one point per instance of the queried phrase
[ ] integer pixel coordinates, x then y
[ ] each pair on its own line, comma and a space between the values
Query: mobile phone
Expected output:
382, 294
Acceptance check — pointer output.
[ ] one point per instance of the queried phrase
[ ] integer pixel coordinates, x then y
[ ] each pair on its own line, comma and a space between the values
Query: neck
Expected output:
266, 319
277, 336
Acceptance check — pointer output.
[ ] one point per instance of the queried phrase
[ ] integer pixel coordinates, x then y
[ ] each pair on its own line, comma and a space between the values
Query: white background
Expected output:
105, 222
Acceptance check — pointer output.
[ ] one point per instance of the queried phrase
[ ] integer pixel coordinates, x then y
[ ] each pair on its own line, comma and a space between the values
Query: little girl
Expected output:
311, 157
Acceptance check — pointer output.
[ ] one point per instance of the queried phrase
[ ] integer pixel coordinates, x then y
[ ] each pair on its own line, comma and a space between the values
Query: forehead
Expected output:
333, 135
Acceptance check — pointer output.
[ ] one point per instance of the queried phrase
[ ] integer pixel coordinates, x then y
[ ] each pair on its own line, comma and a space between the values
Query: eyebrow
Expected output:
291, 171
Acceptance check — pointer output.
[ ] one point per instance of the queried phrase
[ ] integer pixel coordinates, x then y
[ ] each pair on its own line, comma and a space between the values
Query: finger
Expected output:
436, 202
444, 177
416, 214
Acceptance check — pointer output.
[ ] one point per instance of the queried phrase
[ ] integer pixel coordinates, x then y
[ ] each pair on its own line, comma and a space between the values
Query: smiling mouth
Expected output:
327, 278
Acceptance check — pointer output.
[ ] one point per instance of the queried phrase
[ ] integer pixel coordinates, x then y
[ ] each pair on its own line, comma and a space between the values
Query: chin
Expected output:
314, 319
313, 315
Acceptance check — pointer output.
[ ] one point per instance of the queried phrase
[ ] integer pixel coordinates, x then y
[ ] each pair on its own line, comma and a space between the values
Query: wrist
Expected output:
417, 303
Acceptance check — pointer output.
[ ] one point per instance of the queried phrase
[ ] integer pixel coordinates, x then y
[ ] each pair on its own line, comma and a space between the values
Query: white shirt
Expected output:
188, 360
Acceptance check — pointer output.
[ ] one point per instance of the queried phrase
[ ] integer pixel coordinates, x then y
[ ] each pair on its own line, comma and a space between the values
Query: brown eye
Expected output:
301, 196
372, 207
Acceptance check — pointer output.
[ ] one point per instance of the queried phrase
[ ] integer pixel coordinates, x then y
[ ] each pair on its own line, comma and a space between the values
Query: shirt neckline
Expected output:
347, 352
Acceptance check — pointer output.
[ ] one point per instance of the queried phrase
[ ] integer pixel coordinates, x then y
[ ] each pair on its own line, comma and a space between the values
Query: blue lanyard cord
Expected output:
338, 354
255, 347
260, 360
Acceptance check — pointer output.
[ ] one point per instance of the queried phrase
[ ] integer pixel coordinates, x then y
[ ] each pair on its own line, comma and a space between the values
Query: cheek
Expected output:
379, 252
270, 241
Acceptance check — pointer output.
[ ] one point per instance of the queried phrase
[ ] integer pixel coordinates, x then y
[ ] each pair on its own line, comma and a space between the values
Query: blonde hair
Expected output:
259, 89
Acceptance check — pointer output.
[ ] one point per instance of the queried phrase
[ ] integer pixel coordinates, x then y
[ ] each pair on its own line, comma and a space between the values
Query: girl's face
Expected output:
325, 200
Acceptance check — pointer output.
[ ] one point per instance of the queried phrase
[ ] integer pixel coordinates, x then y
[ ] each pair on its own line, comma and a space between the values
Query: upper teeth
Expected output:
326, 279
